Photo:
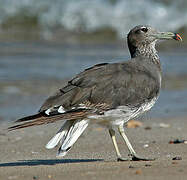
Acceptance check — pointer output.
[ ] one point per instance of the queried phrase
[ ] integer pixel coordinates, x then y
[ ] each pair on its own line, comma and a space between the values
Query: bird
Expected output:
108, 94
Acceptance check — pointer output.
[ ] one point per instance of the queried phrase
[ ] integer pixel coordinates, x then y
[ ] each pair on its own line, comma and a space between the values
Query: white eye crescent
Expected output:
144, 29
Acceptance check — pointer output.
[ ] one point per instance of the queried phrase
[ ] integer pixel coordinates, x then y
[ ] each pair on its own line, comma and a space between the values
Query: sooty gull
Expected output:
109, 94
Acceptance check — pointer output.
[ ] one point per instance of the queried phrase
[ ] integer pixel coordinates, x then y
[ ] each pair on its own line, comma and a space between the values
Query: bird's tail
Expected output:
42, 118
67, 135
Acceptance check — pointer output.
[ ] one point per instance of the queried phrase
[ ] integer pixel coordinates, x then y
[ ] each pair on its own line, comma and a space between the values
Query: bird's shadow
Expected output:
37, 162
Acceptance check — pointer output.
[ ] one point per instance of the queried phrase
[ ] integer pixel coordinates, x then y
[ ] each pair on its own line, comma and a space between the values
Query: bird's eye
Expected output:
144, 29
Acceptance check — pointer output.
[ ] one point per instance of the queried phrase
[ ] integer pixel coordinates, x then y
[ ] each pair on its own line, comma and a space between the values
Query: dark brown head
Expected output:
143, 35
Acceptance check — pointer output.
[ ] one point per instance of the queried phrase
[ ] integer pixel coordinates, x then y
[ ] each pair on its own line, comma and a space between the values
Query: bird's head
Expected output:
144, 35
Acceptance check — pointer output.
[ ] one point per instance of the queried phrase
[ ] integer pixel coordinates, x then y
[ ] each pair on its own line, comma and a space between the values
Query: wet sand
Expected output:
23, 155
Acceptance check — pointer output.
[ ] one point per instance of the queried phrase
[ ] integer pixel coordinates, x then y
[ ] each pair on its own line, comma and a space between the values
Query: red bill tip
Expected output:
177, 37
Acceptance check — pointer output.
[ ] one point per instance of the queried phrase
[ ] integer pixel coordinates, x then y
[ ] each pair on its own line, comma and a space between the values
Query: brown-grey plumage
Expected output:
109, 82
108, 94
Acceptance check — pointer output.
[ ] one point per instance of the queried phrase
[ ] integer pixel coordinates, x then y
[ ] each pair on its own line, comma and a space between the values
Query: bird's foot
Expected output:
123, 159
138, 158
135, 158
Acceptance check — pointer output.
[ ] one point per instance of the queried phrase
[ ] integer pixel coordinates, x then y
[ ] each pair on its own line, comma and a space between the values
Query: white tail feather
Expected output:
61, 134
72, 135
67, 135
55, 140
62, 153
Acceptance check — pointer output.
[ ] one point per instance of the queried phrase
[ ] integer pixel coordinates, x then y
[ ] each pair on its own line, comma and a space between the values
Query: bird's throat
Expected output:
147, 50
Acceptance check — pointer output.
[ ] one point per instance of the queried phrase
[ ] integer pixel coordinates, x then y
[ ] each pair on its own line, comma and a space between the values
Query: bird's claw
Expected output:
135, 158
123, 159
138, 158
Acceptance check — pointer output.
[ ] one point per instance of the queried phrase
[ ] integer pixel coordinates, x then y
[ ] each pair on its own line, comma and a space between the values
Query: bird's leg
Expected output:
113, 137
135, 157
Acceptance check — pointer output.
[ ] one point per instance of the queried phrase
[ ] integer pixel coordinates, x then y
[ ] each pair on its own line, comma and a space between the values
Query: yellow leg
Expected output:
135, 157
113, 137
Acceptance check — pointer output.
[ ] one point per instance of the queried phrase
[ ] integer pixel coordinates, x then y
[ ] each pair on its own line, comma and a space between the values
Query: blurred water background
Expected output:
44, 42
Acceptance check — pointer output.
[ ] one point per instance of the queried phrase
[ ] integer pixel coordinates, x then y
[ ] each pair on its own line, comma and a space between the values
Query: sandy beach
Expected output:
44, 44
23, 155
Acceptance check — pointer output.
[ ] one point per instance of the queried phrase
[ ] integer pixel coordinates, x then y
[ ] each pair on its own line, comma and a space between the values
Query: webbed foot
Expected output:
139, 158
123, 159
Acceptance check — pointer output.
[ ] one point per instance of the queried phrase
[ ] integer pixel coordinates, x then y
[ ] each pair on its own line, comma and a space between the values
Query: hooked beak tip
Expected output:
177, 37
